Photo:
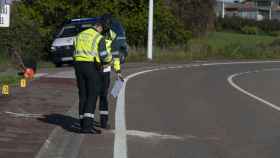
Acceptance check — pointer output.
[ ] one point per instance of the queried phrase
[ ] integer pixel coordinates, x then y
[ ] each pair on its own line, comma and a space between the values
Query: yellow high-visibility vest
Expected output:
113, 35
86, 46
116, 59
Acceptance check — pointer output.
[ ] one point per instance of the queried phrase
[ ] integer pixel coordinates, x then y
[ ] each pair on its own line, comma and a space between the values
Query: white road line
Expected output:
195, 65
38, 75
172, 67
149, 135
120, 142
24, 115
230, 80
63, 74
242, 62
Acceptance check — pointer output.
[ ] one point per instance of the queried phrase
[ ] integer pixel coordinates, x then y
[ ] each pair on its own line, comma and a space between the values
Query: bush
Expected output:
200, 49
33, 23
23, 35
275, 43
275, 33
250, 30
237, 24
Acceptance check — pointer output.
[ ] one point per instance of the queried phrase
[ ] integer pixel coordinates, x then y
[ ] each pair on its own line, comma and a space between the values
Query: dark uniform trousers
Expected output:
87, 81
103, 100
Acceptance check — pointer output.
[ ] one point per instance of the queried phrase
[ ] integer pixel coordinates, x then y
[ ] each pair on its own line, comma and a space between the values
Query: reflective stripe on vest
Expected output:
113, 35
86, 45
108, 45
117, 64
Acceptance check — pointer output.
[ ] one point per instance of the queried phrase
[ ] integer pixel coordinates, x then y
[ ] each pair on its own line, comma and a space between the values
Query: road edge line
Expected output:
120, 140
234, 85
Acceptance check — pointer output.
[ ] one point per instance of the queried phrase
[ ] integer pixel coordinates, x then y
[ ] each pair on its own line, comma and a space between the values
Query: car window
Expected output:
68, 31
85, 26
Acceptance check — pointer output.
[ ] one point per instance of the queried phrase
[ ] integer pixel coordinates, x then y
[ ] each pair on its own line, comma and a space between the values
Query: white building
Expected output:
257, 9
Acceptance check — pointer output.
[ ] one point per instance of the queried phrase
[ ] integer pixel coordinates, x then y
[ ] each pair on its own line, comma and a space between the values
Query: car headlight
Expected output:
53, 48
68, 47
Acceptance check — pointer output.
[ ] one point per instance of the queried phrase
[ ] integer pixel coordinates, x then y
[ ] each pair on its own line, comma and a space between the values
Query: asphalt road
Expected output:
184, 111
194, 112
206, 114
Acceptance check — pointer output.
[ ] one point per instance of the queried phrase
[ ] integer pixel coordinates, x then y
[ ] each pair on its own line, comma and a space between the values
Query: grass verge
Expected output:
9, 79
216, 45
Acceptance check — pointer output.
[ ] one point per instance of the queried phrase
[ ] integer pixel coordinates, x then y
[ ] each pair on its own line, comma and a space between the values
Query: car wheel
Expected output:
58, 64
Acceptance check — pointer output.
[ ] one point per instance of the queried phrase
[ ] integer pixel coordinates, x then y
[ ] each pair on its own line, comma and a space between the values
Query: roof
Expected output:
246, 6
82, 20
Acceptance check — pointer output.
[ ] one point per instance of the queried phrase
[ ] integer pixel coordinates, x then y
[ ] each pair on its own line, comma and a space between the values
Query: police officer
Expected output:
105, 80
110, 36
90, 54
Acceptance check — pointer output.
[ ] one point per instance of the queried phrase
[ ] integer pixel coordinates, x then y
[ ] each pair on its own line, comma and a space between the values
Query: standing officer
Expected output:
105, 84
90, 54
110, 36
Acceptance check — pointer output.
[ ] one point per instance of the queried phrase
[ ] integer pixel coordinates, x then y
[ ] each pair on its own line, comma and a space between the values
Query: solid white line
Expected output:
120, 142
24, 115
172, 67
195, 65
230, 80
149, 135
242, 62
38, 75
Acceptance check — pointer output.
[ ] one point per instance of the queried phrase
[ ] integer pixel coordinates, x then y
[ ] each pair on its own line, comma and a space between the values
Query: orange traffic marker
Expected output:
23, 83
6, 90
29, 73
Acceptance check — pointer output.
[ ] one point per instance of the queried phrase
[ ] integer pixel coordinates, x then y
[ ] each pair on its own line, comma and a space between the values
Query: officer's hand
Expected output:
120, 76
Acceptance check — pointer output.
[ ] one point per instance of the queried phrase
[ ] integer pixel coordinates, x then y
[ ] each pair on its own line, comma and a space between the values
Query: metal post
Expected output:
150, 31
223, 9
270, 11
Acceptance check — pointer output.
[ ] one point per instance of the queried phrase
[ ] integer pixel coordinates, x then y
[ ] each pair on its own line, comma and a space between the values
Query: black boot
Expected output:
87, 127
104, 122
81, 123
91, 131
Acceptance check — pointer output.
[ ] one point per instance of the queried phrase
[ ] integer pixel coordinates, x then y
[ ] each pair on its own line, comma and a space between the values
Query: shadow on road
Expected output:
68, 123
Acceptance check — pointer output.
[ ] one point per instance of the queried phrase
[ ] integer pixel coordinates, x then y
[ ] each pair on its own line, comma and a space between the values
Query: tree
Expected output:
197, 15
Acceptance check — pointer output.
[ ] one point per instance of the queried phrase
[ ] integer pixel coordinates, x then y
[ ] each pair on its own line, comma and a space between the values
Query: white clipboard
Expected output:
118, 85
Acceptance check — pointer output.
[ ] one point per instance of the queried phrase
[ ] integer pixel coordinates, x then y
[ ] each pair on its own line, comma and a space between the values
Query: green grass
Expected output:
4, 62
45, 64
219, 40
216, 45
9, 79
8, 73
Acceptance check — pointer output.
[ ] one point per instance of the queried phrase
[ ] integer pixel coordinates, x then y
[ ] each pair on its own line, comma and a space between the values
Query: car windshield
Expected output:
86, 26
68, 31
71, 30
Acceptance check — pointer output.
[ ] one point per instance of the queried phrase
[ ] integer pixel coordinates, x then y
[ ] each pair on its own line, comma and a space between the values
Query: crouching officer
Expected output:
90, 54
